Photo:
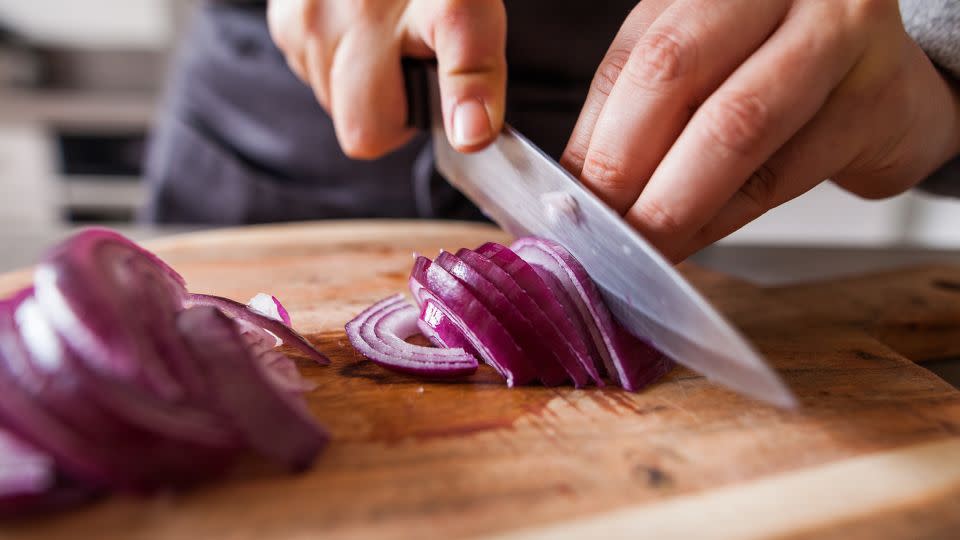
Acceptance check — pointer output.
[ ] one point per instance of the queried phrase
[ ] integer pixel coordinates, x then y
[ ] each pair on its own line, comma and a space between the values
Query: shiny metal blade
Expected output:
527, 193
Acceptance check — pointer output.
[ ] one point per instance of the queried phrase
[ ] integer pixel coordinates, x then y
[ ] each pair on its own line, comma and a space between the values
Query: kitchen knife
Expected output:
527, 193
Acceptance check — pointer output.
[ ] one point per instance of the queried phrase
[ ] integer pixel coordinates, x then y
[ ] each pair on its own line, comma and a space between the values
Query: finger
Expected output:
469, 40
289, 23
315, 63
605, 78
366, 93
756, 110
684, 55
822, 147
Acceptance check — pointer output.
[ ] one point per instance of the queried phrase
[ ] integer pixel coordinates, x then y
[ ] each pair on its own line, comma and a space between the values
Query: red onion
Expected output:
430, 282
244, 314
269, 306
530, 312
379, 333
544, 330
541, 357
634, 363
109, 378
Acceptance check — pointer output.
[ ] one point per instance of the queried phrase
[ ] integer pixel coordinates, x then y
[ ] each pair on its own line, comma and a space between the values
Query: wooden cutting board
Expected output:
873, 453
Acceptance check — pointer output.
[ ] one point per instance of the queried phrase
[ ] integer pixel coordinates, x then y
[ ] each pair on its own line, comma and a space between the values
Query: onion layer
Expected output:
529, 311
109, 380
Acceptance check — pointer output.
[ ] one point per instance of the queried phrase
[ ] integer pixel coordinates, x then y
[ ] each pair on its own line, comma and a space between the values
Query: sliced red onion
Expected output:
283, 372
269, 306
379, 333
631, 361
114, 304
184, 444
562, 316
430, 282
544, 330
24, 470
29, 482
273, 422
243, 314
532, 343
441, 330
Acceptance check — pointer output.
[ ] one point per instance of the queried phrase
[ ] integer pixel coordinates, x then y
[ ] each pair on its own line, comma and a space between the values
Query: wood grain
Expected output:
473, 458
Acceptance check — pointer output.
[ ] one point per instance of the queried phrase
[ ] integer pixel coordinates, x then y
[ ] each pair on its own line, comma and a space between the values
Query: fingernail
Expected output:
471, 125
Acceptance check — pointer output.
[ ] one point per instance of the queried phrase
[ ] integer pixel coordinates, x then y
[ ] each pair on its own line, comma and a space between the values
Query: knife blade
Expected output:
527, 193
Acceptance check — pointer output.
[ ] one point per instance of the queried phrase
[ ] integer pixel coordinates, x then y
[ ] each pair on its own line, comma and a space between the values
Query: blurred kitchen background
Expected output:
80, 80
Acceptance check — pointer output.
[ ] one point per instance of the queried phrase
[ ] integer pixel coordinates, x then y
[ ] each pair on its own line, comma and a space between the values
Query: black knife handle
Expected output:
417, 85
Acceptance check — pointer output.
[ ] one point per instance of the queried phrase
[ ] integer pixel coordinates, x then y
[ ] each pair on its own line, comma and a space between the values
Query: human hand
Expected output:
349, 53
706, 114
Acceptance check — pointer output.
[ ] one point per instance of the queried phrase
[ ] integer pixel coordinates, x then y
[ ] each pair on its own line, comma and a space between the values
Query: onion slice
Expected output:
441, 330
273, 422
633, 362
269, 306
430, 282
531, 341
544, 330
114, 303
567, 321
242, 313
24, 470
379, 333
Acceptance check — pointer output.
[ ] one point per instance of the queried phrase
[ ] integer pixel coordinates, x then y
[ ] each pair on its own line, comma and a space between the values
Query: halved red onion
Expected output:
269, 306
634, 363
550, 301
430, 282
244, 314
380, 331
545, 331
535, 348
274, 423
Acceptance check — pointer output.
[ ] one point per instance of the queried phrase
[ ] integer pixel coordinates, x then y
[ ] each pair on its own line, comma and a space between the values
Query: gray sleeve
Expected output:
935, 26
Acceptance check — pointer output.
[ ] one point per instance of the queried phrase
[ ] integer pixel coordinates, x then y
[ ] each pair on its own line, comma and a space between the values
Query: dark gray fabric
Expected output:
241, 140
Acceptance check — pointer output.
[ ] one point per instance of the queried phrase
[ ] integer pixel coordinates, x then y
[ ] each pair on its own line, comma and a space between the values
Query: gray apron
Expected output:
240, 139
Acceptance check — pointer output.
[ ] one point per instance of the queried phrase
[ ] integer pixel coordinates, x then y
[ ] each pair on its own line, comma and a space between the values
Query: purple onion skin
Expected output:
531, 342
275, 424
490, 339
633, 361
547, 333
566, 320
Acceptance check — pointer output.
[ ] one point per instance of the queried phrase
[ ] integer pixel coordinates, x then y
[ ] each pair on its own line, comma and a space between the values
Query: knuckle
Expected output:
654, 218
573, 158
736, 122
661, 57
761, 188
604, 171
609, 71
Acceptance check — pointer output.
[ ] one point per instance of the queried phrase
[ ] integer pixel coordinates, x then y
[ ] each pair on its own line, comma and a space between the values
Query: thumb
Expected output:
469, 40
